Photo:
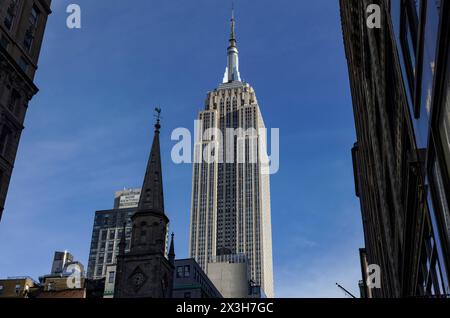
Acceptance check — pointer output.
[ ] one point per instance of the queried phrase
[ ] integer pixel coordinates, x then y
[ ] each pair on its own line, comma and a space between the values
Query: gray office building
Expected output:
60, 260
190, 281
108, 227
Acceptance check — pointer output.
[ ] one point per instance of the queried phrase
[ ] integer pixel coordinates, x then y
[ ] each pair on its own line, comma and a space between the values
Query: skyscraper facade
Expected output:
22, 25
230, 211
60, 260
107, 231
399, 78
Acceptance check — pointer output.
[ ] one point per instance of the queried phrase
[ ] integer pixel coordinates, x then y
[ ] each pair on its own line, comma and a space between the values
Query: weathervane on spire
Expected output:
158, 117
158, 112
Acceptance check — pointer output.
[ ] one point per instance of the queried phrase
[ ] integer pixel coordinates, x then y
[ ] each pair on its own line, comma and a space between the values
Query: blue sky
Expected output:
88, 131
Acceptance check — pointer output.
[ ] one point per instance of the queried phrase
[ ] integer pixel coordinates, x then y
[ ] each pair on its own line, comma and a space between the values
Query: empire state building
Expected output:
230, 212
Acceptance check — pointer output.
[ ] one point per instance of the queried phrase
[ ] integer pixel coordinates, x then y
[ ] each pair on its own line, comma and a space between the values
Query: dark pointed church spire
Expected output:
172, 250
145, 272
152, 197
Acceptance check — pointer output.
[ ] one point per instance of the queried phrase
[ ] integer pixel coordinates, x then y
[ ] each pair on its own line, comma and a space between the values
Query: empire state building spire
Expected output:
232, 71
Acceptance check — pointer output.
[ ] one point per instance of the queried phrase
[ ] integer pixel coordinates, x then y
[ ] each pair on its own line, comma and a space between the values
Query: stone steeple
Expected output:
152, 197
145, 271
172, 251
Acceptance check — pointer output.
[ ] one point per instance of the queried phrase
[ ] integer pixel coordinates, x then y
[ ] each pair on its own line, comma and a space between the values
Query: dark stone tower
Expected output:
22, 28
145, 272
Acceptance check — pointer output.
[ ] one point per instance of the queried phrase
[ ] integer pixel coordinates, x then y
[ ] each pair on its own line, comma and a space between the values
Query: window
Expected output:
99, 270
111, 246
1, 289
180, 272
28, 39
30, 32
5, 135
442, 198
18, 289
23, 64
409, 39
112, 277
444, 124
15, 97
4, 42
143, 236
34, 16
187, 271
10, 14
